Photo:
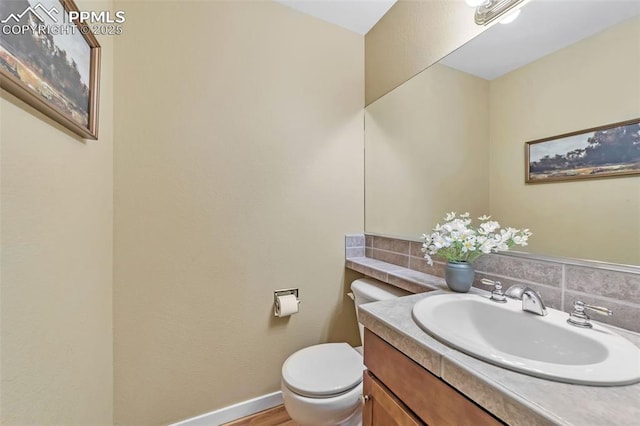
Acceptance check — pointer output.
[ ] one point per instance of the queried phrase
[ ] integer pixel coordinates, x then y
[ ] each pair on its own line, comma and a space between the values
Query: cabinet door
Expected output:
382, 408
432, 400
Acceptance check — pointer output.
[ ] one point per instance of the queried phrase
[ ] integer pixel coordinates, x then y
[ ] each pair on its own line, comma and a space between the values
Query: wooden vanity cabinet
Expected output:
398, 391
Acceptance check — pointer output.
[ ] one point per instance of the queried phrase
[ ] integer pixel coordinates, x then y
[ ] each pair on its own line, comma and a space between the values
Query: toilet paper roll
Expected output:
286, 305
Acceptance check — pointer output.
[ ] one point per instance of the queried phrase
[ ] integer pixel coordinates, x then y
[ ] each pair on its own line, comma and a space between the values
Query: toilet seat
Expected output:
323, 371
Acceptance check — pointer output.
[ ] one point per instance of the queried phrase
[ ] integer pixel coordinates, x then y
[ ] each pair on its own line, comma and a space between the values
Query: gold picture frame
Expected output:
57, 74
612, 150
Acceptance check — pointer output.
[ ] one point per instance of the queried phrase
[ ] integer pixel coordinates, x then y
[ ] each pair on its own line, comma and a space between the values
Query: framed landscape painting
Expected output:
51, 62
606, 151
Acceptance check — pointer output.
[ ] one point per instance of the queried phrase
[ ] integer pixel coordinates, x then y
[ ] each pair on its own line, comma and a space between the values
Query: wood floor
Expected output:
276, 416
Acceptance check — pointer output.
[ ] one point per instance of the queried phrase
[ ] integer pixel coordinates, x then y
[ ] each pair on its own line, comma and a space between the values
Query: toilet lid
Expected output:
323, 370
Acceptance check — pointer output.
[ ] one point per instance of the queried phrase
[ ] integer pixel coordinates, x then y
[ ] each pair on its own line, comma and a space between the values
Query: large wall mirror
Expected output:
453, 137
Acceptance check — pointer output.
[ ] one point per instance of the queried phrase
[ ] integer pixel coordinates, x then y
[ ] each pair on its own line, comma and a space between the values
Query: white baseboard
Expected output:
234, 412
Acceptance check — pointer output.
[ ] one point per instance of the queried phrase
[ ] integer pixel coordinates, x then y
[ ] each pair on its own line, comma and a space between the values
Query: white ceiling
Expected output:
543, 27
358, 16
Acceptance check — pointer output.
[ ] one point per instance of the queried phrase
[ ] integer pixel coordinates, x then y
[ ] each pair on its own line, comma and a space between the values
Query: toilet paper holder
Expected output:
284, 292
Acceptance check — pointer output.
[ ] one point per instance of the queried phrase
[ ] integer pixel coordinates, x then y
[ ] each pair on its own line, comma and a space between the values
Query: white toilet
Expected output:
322, 384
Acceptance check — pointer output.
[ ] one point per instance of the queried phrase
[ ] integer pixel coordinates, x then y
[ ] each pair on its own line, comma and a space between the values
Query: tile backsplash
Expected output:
560, 281
354, 246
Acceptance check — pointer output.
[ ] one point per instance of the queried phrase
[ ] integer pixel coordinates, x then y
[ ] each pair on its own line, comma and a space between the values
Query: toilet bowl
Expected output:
322, 384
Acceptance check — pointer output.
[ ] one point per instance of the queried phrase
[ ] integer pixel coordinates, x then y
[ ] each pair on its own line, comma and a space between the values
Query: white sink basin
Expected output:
547, 347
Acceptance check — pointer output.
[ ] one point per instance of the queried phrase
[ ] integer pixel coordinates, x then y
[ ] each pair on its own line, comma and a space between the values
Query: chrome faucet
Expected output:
532, 302
531, 299
515, 292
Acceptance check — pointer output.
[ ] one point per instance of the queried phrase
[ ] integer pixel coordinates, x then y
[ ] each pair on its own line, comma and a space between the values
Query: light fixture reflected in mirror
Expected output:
489, 10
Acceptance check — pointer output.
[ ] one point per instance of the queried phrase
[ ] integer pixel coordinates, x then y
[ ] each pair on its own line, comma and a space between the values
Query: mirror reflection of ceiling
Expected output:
534, 34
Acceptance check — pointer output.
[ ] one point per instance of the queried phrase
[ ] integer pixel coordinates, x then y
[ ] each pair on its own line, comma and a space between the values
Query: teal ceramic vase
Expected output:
459, 276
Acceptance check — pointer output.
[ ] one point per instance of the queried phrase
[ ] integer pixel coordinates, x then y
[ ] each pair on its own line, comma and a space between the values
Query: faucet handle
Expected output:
599, 310
579, 318
496, 295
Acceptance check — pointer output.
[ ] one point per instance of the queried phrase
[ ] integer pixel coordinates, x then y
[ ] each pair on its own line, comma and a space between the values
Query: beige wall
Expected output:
411, 36
239, 168
56, 289
427, 152
591, 83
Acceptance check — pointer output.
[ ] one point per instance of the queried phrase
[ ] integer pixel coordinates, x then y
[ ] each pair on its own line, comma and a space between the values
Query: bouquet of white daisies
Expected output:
457, 240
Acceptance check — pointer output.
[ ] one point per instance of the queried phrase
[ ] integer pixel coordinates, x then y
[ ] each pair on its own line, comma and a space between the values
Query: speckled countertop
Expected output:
515, 398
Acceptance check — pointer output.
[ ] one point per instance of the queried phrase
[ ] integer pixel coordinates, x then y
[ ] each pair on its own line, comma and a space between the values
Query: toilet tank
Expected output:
367, 290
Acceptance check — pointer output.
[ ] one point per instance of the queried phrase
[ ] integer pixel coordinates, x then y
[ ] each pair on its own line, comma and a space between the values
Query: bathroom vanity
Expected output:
414, 379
